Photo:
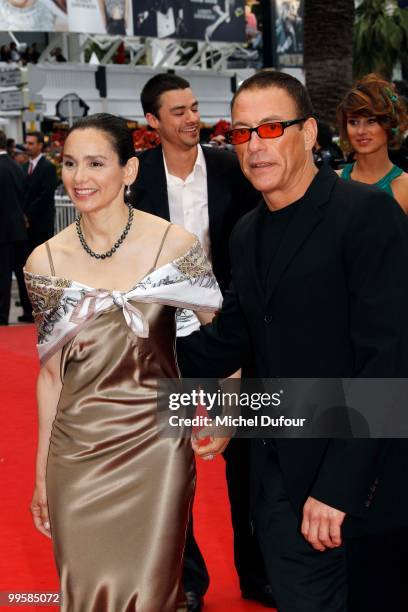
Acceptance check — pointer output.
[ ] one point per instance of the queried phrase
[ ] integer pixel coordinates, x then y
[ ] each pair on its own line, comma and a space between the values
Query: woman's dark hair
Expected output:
264, 79
115, 128
372, 96
155, 87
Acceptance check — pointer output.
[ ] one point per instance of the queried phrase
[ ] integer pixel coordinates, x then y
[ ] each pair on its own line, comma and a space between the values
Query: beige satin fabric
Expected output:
119, 496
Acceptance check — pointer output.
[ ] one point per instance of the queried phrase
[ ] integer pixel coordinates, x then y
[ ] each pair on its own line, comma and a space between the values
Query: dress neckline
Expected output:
392, 174
90, 288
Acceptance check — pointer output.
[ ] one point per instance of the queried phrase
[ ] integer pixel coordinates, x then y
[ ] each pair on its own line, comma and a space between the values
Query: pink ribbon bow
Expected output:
96, 301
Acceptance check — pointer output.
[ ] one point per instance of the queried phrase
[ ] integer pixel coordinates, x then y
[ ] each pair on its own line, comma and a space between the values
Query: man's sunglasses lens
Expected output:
270, 130
238, 136
266, 130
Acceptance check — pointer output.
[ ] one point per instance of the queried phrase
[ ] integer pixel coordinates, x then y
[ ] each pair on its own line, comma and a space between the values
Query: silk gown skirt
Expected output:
119, 494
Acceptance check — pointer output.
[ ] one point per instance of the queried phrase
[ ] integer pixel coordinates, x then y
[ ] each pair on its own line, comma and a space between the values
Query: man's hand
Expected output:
321, 524
206, 444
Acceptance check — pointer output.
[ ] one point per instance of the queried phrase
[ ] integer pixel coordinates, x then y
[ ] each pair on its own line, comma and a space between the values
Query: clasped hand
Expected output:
321, 525
216, 444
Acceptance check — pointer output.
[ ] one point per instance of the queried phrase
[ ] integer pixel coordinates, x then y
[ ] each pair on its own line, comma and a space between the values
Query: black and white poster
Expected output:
288, 33
101, 16
207, 20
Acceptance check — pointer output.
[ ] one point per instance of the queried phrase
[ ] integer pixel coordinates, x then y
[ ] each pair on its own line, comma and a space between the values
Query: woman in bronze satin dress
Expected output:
112, 493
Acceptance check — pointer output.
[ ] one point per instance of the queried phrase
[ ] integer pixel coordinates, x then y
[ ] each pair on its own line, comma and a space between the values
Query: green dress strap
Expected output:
384, 183
346, 172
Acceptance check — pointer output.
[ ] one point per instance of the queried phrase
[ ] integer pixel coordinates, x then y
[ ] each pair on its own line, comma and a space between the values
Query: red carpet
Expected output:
26, 562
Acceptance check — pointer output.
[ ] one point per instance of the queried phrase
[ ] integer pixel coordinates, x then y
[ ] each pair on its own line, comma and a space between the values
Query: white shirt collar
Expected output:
35, 161
199, 163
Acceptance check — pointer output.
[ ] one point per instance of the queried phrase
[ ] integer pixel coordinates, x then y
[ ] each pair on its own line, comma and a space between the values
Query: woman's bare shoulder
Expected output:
38, 262
181, 240
177, 240
177, 243
401, 179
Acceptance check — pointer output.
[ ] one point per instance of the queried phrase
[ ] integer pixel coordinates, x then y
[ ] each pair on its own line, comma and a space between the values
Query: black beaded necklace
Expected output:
115, 246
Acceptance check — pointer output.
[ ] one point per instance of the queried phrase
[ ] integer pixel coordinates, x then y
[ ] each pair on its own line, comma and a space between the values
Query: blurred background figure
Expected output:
31, 55
251, 24
20, 154
11, 143
57, 55
14, 52
13, 233
41, 182
35, 54
399, 157
4, 53
288, 27
373, 119
327, 151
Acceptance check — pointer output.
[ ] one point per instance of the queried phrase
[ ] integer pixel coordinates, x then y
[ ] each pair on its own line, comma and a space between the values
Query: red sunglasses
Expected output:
274, 129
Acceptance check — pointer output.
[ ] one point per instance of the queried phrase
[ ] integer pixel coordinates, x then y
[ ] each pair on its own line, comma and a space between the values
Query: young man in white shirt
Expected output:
203, 190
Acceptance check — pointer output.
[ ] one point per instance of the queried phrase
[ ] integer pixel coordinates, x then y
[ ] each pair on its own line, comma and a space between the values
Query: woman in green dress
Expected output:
372, 119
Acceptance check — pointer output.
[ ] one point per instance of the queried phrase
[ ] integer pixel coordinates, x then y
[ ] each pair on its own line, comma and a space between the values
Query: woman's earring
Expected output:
128, 191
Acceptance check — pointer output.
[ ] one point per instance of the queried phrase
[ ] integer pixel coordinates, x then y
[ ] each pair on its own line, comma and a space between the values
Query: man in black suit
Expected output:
318, 291
41, 182
13, 234
203, 190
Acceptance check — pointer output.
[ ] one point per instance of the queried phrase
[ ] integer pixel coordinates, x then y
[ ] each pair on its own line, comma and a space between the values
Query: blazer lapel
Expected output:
309, 215
39, 165
154, 184
217, 193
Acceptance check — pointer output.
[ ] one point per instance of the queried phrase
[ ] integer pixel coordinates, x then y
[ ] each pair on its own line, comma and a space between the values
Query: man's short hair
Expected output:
155, 87
38, 135
3, 141
272, 78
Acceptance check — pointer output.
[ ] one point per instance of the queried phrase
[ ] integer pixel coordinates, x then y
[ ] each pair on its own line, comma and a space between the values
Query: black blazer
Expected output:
39, 204
335, 306
230, 195
12, 224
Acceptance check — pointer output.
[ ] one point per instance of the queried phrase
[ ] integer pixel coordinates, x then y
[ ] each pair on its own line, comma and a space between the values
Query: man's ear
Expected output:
310, 133
152, 121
